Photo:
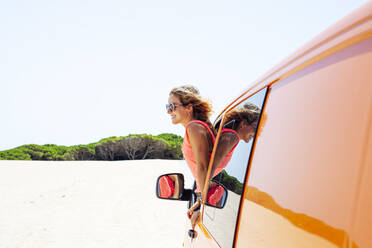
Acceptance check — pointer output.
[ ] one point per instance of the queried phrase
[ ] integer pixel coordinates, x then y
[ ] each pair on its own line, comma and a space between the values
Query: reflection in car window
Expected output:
231, 164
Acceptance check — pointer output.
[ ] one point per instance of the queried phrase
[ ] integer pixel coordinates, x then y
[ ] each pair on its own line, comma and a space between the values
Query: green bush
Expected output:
230, 182
108, 149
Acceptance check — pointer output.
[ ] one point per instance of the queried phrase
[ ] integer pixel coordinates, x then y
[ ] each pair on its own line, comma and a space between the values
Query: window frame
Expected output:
221, 119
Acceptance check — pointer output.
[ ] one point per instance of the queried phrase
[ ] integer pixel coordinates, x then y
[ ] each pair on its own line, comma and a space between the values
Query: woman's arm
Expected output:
176, 193
198, 137
226, 142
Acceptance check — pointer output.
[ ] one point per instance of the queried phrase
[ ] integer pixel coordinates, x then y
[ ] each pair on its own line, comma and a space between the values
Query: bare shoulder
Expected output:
196, 129
229, 138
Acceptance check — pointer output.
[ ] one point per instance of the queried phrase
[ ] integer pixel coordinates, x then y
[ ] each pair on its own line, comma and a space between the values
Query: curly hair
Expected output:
202, 108
248, 112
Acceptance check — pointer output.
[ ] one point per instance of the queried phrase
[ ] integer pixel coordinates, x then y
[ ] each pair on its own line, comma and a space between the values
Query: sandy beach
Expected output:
89, 204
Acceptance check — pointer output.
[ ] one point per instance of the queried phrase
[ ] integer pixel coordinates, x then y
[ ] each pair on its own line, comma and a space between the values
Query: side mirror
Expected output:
217, 195
171, 186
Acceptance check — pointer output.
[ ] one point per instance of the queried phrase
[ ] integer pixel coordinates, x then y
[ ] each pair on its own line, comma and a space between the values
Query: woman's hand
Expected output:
195, 219
193, 208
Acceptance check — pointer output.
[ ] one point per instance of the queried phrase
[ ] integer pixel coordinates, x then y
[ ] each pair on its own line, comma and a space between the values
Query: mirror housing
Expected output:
171, 187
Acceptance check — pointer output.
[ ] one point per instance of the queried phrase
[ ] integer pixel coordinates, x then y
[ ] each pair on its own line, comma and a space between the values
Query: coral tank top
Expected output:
228, 155
189, 155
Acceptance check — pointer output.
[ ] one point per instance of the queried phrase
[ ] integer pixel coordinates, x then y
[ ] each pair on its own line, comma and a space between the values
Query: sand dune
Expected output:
89, 204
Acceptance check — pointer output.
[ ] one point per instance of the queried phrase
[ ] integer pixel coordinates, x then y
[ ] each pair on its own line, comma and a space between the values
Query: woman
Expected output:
241, 124
186, 107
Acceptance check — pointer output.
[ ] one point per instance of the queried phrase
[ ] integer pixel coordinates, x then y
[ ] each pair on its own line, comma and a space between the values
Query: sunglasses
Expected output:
172, 106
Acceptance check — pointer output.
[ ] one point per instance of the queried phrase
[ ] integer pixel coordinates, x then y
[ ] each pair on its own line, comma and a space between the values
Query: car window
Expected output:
231, 162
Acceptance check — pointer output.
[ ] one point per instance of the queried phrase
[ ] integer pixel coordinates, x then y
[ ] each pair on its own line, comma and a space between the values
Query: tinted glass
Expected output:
231, 162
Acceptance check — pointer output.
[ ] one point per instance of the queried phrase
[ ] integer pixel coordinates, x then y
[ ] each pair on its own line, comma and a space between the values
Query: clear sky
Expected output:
73, 72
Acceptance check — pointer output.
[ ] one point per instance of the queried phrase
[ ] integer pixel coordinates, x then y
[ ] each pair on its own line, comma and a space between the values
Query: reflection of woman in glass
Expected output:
187, 107
215, 193
169, 186
240, 124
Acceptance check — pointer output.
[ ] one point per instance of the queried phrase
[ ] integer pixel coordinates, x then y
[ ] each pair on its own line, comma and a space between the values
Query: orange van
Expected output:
302, 179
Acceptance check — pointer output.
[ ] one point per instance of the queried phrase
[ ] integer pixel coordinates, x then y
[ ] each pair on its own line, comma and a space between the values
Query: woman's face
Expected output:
180, 114
246, 132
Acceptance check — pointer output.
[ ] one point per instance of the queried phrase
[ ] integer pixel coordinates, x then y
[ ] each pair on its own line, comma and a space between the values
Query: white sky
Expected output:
73, 72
